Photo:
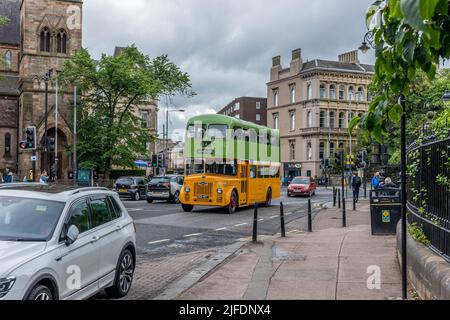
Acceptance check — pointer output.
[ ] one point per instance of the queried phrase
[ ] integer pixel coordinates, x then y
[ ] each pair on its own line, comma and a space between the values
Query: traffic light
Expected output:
30, 139
51, 144
338, 158
359, 159
155, 161
327, 163
160, 160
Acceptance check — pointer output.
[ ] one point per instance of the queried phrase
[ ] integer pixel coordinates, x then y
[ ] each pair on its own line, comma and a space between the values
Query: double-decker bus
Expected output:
229, 163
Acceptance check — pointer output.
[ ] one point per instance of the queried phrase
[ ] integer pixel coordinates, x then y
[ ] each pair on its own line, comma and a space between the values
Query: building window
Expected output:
292, 150
369, 97
7, 145
322, 119
309, 119
276, 121
61, 42
341, 120
360, 94
258, 117
309, 151
309, 90
275, 97
331, 149
332, 92
332, 119
341, 92
292, 93
351, 92
8, 59
237, 106
321, 150
45, 40
292, 120
323, 91
258, 105
145, 118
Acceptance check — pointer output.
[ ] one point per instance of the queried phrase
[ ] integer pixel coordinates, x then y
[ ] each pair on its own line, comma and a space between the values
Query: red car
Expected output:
302, 186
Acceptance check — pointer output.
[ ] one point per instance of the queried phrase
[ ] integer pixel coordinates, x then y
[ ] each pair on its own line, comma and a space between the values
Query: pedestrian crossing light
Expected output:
155, 161
51, 144
30, 139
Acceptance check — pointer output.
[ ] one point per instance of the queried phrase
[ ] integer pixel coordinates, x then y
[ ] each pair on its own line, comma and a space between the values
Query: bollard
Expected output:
309, 216
334, 196
354, 203
255, 224
283, 227
339, 198
344, 217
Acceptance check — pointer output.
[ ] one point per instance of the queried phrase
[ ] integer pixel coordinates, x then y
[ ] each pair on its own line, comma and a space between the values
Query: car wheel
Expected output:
232, 206
268, 198
176, 197
124, 276
289, 194
187, 207
150, 200
40, 292
137, 196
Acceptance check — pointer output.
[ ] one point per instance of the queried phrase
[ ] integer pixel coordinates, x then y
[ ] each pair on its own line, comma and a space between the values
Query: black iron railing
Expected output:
429, 191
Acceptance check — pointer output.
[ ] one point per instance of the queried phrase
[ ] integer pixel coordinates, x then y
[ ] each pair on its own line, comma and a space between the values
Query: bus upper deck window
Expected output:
218, 131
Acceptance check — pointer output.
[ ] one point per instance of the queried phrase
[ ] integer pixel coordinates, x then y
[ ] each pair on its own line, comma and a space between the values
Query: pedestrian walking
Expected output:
356, 185
44, 177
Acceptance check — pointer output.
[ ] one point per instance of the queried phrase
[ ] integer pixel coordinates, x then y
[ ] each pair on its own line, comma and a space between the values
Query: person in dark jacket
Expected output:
356, 185
388, 184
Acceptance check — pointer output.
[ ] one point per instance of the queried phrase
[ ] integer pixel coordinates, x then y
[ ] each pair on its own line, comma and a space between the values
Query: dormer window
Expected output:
45, 40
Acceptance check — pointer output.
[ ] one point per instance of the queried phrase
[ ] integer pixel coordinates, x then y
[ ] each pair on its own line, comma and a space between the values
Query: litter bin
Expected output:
385, 211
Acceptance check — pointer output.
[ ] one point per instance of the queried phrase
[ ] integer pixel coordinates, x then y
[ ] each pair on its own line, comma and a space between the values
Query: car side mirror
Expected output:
72, 235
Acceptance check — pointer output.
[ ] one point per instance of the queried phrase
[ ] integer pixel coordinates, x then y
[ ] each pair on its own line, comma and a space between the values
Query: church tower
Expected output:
50, 33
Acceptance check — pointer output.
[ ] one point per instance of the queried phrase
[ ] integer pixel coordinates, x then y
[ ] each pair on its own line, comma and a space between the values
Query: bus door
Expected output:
253, 184
243, 198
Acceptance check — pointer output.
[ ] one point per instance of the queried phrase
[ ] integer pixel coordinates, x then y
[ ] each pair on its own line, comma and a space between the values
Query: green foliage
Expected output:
409, 35
441, 124
109, 132
416, 232
3, 21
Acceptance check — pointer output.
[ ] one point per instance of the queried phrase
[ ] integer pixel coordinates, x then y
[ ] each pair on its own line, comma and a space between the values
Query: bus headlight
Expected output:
219, 191
187, 189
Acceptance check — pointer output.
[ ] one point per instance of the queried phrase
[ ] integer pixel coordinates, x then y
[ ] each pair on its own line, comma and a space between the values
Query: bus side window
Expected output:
252, 172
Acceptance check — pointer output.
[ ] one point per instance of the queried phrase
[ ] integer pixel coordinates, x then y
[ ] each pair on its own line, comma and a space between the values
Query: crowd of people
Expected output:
9, 177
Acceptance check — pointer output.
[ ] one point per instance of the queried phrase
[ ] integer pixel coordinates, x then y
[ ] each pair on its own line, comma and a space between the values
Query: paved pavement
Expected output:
173, 244
332, 263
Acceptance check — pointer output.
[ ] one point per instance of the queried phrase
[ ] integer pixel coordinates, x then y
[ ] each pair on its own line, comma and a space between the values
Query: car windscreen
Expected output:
160, 180
124, 181
300, 181
23, 219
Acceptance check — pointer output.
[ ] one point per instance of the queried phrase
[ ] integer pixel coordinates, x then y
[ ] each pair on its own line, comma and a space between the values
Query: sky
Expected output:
226, 46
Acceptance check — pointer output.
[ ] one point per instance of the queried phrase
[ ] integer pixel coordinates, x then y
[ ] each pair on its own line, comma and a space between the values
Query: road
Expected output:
164, 229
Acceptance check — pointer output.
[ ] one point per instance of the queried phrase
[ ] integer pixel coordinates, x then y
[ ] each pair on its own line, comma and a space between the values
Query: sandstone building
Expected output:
311, 103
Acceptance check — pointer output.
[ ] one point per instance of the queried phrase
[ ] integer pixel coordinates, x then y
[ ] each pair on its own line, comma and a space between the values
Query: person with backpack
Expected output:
356, 185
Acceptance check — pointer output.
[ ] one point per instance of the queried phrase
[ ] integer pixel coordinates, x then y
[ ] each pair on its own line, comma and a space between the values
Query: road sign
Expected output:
33, 158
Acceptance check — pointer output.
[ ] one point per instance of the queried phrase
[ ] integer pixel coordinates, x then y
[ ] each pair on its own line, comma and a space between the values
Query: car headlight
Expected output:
187, 189
6, 285
219, 191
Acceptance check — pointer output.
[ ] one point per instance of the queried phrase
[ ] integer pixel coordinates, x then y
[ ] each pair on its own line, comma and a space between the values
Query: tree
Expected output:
409, 35
109, 132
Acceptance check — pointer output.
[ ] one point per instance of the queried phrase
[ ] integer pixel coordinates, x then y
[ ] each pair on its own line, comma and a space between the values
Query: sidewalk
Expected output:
332, 263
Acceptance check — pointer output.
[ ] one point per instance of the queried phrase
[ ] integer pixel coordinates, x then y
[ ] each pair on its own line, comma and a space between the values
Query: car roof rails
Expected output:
20, 184
73, 192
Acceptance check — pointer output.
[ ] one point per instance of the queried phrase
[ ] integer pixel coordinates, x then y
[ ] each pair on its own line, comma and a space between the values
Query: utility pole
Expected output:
46, 81
75, 163
56, 132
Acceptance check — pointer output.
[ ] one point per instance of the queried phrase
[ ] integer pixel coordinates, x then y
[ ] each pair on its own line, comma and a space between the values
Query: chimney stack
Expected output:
296, 54
349, 57
276, 61
296, 62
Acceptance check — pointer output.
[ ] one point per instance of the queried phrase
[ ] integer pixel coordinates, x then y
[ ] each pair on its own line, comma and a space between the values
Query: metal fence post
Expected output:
283, 227
354, 203
339, 198
309, 216
334, 196
255, 224
344, 216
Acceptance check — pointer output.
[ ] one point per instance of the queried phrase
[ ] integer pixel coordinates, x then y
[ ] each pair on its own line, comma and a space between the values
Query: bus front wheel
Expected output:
187, 207
232, 206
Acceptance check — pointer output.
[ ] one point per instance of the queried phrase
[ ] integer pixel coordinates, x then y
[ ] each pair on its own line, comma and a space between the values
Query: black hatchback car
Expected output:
131, 187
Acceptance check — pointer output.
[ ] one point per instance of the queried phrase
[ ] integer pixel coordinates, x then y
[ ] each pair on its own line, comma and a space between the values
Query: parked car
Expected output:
64, 243
302, 186
165, 188
133, 188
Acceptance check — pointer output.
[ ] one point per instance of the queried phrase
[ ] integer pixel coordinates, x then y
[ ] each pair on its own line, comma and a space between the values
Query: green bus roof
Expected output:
230, 121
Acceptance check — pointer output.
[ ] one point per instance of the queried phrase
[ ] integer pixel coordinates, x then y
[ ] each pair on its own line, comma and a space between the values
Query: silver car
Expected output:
64, 243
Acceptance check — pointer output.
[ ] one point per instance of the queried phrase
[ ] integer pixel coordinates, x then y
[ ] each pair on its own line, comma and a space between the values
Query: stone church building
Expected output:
40, 36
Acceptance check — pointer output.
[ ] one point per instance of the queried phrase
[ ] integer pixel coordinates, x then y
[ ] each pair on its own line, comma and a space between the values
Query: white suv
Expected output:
62, 243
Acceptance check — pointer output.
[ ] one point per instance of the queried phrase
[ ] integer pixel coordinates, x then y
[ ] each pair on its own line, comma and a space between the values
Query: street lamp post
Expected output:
166, 137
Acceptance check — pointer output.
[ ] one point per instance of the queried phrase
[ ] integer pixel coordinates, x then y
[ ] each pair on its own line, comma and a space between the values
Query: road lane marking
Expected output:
221, 229
289, 213
260, 220
192, 235
241, 224
273, 217
159, 241
292, 231
135, 209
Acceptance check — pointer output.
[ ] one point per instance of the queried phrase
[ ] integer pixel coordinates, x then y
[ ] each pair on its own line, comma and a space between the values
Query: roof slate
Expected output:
10, 33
